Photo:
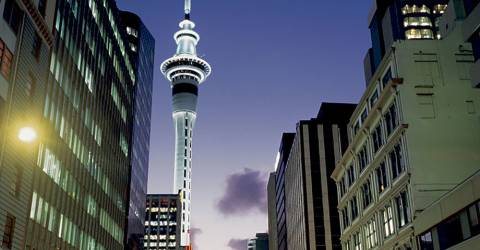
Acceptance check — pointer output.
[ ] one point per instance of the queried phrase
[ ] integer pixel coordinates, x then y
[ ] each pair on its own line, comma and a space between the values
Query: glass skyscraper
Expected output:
65, 72
142, 50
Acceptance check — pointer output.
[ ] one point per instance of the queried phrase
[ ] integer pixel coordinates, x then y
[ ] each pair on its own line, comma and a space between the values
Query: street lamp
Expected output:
27, 134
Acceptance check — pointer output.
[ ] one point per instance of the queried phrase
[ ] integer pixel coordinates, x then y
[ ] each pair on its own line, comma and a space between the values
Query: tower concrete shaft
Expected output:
185, 71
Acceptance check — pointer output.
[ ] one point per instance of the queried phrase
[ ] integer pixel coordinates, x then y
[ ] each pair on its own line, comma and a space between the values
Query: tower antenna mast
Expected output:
188, 8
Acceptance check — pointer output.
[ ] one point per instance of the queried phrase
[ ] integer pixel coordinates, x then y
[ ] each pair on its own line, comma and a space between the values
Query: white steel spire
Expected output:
188, 6
185, 71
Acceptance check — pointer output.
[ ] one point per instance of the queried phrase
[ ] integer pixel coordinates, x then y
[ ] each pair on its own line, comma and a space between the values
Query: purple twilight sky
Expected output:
274, 62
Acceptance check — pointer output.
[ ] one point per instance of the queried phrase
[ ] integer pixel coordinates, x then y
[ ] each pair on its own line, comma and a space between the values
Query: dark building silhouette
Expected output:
310, 194
142, 51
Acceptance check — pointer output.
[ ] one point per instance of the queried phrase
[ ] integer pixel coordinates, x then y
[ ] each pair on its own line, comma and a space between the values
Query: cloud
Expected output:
238, 244
194, 231
245, 192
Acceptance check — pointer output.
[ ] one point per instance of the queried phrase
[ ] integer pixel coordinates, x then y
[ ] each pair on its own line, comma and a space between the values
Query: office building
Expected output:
395, 20
260, 242
417, 118
66, 77
185, 71
310, 204
272, 212
280, 167
161, 219
142, 51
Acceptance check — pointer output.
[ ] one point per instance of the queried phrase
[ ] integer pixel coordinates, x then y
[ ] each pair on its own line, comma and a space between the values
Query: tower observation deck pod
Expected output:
185, 71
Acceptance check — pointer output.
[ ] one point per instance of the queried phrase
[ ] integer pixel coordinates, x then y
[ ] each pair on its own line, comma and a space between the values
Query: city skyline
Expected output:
326, 124
226, 101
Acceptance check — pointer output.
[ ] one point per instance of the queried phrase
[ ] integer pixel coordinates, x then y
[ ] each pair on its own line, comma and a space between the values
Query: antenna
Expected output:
188, 8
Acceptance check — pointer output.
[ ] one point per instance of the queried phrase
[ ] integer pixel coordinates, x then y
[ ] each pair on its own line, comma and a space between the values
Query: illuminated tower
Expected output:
186, 71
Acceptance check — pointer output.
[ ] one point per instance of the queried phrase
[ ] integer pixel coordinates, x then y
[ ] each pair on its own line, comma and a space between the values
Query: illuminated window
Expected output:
382, 178
133, 47
419, 34
371, 234
410, 9
387, 215
417, 21
439, 8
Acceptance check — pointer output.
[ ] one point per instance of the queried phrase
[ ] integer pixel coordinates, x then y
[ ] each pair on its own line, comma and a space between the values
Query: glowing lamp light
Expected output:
27, 134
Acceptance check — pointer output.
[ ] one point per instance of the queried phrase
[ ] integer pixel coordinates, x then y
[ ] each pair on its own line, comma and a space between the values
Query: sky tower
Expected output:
186, 71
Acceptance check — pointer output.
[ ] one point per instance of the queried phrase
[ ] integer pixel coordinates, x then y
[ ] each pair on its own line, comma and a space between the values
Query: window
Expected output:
346, 222
387, 215
357, 241
410, 9
391, 119
13, 15
133, 47
341, 187
364, 115
417, 21
377, 136
8, 232
439, 8
403, 209
396, 161
426, 241
374, 98
42, 6
362, 159
351, 176
37, 46
15, 186
474, 218
387, 77
382, 178
419, 34
371, 234
6, 58
450, 232
366, 194
353, 207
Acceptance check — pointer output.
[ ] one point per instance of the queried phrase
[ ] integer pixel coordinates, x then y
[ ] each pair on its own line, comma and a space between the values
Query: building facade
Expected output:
395, 20
260, 242
162, 218
68, 76
310, 205
142, 50
280, 167
417, 119
272, 212
452, 222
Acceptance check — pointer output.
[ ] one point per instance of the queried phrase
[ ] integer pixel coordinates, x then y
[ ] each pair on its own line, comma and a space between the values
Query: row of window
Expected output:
377, 182
419, 34
47, 216
388, 123
380, 85
462, 226
394, 216
92, 4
